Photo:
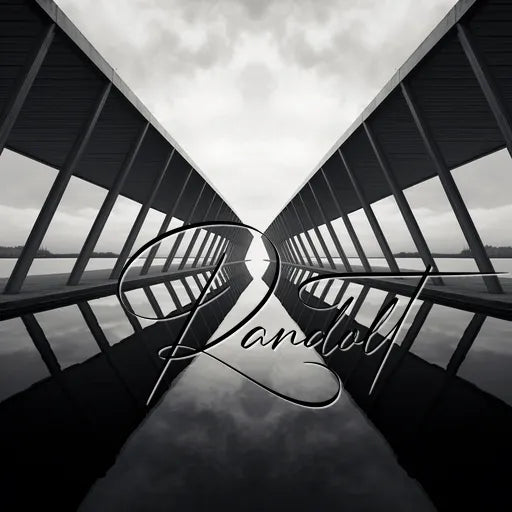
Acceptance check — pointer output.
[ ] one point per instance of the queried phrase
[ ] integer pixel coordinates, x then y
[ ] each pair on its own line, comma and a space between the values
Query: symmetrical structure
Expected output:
63, 105
449, 104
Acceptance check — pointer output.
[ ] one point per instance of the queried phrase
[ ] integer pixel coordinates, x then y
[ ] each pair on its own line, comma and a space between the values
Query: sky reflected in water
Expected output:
215, 440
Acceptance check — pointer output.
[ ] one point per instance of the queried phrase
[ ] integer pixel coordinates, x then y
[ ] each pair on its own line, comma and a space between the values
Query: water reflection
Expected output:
246, 449
76, 432
63, 421
442, 400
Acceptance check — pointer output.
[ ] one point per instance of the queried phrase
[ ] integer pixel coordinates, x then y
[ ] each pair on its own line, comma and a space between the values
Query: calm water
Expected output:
444, 264
42, 266
64, 265
75, 432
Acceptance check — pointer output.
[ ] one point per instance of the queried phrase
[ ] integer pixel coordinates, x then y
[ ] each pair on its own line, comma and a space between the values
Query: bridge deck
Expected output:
468, 293
42, 292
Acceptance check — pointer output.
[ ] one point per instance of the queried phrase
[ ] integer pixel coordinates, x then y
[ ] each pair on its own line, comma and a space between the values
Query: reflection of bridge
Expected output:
63, 105
451, 436
64, 432
449, 104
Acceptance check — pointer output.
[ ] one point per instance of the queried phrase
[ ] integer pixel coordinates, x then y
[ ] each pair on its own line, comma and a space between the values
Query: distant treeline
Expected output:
492, 252
14, 252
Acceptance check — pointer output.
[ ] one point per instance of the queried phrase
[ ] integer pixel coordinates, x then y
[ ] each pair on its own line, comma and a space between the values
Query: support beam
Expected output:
106, 350
326, 289
279, 239
52, 201
153, 301
304, 253
291, 254
215, 236
24, 83
174, 295
286, 251
291, 249
465, 343
317, 233
207, 236
165, 224
394, 363
331, 230
403, 204
141, 217
41, 343
188, 290
307, 235
372, 219
300, 243
195, 236
106, 209
348, 225
203, 246
452, 192
213, 244
291, 241
221, 247
179, 238
487, 83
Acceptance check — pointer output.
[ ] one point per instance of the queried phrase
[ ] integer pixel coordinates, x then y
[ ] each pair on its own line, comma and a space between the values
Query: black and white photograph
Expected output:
255, 255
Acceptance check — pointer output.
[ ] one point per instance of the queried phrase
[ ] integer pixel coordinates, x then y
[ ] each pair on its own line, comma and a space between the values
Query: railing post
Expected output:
465, 343
153, 302
348, 225
105, 210
165, 224
53, 199
213, 244
452, 192
401, 201
307, 235
179, 238
24, 83
139, 221
317, 233
231, 238
215, 236
207, 236
487, 83
331, 230
104, 346
174, 295
290, 241
391, 365
372, 219
287, 247
219, 249
194, 237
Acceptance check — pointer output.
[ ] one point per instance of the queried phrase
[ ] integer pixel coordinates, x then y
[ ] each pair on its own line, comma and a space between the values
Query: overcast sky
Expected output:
256, 92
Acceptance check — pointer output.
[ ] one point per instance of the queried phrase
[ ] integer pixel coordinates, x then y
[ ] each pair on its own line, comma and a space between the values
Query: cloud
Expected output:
257, 91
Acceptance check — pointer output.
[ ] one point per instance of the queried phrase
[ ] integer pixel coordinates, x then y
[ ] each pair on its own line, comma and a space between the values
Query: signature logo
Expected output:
326, 341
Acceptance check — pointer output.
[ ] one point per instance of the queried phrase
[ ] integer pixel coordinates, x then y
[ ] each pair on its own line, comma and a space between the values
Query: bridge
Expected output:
448, 105
63, 105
